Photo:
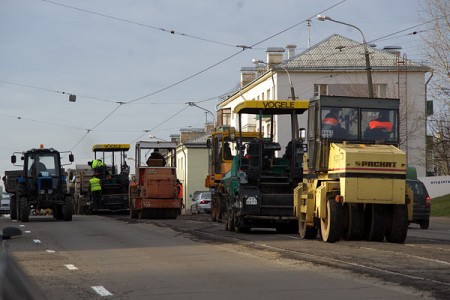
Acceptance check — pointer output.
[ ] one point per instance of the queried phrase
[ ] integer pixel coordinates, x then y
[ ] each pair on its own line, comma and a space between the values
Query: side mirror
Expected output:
71, 158
13, 159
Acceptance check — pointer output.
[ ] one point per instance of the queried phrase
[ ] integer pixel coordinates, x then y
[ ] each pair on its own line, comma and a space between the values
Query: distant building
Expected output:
192, 160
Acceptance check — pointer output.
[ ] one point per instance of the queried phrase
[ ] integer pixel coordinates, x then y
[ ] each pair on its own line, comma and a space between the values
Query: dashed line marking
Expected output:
50, 251
71, 267
21, 225
101, 291
37, 241
27, 231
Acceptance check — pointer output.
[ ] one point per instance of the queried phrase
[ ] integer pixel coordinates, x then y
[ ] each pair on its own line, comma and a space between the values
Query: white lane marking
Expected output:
101, 291
21, 225
27, 231
71, 267
50, 251
37, 241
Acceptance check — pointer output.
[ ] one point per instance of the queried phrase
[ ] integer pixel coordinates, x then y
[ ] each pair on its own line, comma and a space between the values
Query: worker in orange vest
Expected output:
180, 193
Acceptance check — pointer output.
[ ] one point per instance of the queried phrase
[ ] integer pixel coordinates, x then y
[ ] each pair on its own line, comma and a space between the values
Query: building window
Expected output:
381, 90
320, 89
268, 94
262, 96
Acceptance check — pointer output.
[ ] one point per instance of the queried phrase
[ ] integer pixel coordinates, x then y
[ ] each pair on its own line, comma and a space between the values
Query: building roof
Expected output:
200, 140
341, 53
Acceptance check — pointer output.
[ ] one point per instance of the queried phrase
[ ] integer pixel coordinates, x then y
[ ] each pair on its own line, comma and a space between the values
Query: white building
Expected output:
336, 66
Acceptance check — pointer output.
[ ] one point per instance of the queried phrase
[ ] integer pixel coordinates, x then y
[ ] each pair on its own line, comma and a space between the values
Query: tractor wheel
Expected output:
331, 225
67, 208
13, 208
58, 212
306, 232
374, 222
24, 209
353, 221
398, 229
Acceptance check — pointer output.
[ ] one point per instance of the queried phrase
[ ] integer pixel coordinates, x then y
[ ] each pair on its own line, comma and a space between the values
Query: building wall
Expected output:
192, 170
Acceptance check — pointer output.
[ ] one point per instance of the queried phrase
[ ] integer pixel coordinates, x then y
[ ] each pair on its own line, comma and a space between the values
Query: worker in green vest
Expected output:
95, 187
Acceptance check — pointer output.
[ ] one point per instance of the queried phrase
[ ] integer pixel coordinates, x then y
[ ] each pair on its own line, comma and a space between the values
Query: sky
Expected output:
134, 64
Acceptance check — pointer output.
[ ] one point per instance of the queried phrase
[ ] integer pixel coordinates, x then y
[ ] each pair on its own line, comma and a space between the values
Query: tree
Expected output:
437, 49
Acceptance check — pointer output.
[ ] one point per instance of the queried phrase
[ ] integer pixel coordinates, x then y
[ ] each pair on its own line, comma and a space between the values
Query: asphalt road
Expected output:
193, 258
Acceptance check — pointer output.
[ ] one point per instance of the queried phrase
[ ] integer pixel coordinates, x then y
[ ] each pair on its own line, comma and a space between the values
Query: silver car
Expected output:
4, 205
201, 203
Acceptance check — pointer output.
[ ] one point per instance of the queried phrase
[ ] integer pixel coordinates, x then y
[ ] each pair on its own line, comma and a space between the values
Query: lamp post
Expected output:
191, 103
366, 51
257, 61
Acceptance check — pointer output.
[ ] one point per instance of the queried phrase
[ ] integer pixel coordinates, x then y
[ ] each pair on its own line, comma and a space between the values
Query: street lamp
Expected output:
366, 51
152, 137
257, 61
191, 103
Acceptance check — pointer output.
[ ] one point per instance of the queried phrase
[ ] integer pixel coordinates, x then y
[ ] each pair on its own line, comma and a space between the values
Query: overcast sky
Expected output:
154, 56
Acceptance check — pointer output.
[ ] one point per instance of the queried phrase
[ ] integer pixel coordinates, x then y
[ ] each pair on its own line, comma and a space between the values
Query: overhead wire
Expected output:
197, 73
207, 68
54, 91
170, 31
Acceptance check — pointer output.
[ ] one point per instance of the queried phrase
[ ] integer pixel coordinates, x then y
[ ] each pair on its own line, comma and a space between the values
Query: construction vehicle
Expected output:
220, 162
354, 178
114, 178
40, 185
155, 195
259, 186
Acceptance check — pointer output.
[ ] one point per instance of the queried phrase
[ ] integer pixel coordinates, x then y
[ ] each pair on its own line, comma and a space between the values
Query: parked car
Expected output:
4, 205
421, 203
201, 203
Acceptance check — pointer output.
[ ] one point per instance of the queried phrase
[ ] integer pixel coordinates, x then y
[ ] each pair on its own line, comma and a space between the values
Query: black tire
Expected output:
331, 225
374, 217
240, 226
13, 208
214, 208
306, 232
352, 221
424, 224
397, 231
230, 220
68, 208
58, 212
24, 209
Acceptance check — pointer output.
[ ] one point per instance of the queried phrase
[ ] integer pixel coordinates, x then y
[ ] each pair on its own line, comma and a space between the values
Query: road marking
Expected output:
27, 231
21, 225
50, 251
71, 267
37, 241
101, 291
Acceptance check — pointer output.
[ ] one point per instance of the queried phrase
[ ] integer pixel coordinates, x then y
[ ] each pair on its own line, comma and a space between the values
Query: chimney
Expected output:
274, 56
187, 134
248, 74
290, 51
175, 138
